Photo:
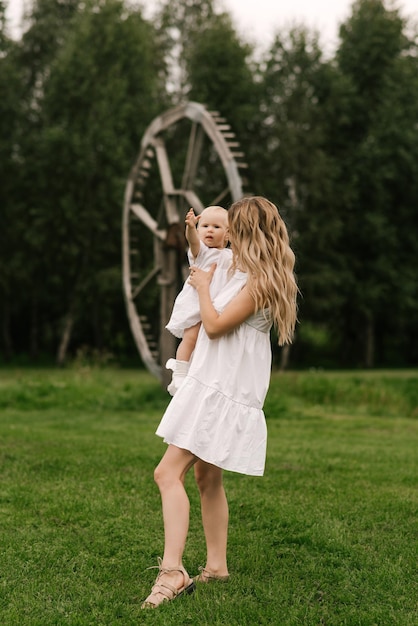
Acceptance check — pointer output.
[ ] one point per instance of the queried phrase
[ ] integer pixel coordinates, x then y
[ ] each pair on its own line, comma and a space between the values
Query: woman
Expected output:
216, 420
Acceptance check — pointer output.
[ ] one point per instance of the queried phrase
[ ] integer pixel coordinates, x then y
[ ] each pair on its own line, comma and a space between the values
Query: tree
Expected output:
376, 145
30, 59
105, 85
12, 264
180, 23
333, 143
91, 77
295, 170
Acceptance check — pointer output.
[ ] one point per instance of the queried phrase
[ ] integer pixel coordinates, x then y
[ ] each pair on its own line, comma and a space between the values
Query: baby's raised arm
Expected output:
191, 233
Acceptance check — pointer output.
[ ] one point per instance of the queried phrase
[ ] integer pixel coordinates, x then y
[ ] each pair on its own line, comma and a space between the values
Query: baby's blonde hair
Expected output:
260, 245
217, 209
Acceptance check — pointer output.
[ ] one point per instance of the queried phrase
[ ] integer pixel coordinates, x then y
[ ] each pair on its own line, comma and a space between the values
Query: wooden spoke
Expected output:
145, 281
142, 214
193, 155
221, 196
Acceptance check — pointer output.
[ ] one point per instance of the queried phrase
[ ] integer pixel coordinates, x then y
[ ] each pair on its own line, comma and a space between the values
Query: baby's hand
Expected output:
191, 219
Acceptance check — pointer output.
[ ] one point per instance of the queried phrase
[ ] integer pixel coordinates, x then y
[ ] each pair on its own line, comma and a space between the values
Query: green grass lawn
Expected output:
327, 537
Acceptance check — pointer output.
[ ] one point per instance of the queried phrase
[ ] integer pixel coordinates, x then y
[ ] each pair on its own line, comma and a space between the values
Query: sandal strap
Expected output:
165, 589
207, 575
165, 570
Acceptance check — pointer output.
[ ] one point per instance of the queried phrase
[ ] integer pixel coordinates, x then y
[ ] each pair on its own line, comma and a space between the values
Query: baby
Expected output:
207, 236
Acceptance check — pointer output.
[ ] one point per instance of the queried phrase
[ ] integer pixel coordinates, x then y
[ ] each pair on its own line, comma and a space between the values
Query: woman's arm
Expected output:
235, 313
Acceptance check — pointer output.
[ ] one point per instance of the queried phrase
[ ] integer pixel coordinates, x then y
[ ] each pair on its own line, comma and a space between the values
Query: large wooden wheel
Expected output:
188, 158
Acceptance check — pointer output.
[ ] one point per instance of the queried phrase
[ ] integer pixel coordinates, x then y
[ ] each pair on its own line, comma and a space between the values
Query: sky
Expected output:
257, 20
260, 19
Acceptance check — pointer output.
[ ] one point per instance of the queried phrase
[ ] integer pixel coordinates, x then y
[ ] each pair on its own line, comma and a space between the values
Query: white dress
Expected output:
186, 312
217, 413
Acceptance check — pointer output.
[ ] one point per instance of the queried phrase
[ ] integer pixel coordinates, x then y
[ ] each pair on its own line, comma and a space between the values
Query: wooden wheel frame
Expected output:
188, 157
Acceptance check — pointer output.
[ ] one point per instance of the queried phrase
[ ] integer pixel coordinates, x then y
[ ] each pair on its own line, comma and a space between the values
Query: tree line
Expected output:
332, 141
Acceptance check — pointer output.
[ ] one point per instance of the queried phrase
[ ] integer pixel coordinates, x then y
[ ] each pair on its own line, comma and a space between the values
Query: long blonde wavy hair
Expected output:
260, 246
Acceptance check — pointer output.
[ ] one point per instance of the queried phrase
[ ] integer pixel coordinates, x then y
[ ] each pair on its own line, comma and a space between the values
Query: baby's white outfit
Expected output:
217, 413
186, 311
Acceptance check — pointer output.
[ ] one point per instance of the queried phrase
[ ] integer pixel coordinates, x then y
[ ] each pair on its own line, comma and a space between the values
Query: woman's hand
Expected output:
199, 279
235, 313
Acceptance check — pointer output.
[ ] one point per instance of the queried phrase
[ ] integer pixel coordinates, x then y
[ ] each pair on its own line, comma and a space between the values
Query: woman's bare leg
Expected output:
214, 515
169, 476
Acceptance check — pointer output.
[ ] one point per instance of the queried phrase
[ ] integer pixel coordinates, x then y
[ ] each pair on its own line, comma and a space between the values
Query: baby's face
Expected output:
213, 228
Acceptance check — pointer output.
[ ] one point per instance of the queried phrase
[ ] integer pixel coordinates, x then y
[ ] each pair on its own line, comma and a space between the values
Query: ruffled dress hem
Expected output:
235, 440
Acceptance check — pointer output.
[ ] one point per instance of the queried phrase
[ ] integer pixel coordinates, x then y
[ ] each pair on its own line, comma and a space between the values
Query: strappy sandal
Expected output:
163, 591
206, 576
